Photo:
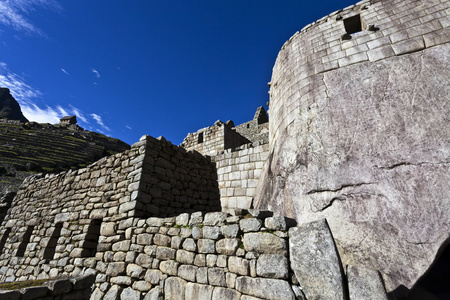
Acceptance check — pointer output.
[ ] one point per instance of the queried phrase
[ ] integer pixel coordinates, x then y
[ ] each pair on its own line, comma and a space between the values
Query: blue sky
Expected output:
129, 68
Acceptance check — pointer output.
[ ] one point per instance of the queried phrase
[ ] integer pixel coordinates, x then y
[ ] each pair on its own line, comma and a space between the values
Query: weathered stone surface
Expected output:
174, 288
169, 267
130, 294
364, 283
115, 269
265, 288
227, 246
215, 219
187, 272
195, 291
216, 277
272, 266
250, 225
113, 293
154, 294
367, 149
224, 293
238, 265
153, 276
264, 242
315, 261
206, 246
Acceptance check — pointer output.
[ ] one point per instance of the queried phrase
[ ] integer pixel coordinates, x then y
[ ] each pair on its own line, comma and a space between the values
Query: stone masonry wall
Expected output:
55, 221
399, 27
210, 140
196, 256
238, 172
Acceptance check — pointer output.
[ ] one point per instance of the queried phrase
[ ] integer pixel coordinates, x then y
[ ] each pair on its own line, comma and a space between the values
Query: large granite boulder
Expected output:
369, 151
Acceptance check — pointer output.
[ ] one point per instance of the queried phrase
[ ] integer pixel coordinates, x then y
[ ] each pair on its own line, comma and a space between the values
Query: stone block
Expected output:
135, 271
202, 275
250, 224
380, 53
196, 219
183, 219
130, 294
216, 277
169, 267
121, 246
196, 291
211, 232
185, 257
206, 246
319, 275
230, 231
154, 294
161, 240
408, 46
174, 288
364, 283
215, 219
144, 260
187, 272
272, 266
144, 239
190, 245
165, 253
224, 293
142, 286
115, 269
238, 265
153, 276
227, 246
264, 242
265, 288
113, 293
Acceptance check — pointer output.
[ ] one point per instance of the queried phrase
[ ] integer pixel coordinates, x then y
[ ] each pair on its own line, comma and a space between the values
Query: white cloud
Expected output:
100, 121
47, 115
97, 74
13, 13
128, 127
65, 72
16, 84
25, 95
79, 114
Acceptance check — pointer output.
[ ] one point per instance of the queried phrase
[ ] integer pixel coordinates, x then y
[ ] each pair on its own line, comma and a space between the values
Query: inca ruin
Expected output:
339, 191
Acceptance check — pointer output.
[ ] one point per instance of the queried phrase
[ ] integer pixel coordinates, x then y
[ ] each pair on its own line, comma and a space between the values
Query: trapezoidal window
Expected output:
49, 252
353, 24
200, 138
25, 240
91, 241
4, 239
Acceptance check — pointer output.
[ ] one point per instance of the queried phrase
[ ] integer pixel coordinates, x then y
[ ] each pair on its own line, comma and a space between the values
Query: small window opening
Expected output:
200, 138
91, 241
353, 24
4, 239
25, 240
50, 250
248, 125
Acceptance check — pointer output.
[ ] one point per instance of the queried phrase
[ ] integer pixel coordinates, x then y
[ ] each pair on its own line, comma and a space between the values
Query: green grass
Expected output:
22, 284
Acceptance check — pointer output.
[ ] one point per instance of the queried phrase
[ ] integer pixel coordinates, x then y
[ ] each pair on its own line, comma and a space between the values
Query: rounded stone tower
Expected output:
359, 134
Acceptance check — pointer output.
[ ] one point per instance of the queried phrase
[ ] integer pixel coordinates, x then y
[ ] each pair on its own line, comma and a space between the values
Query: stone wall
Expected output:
196, 256
359, 106
399, 27
56, 220
210, 140
238, 172
256, 130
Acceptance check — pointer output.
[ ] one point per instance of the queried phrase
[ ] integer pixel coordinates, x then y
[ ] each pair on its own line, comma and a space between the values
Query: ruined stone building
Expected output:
350, 172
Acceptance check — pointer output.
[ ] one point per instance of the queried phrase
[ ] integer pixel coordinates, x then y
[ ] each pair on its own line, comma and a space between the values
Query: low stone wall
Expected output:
78, 288
196, 256
238, 172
